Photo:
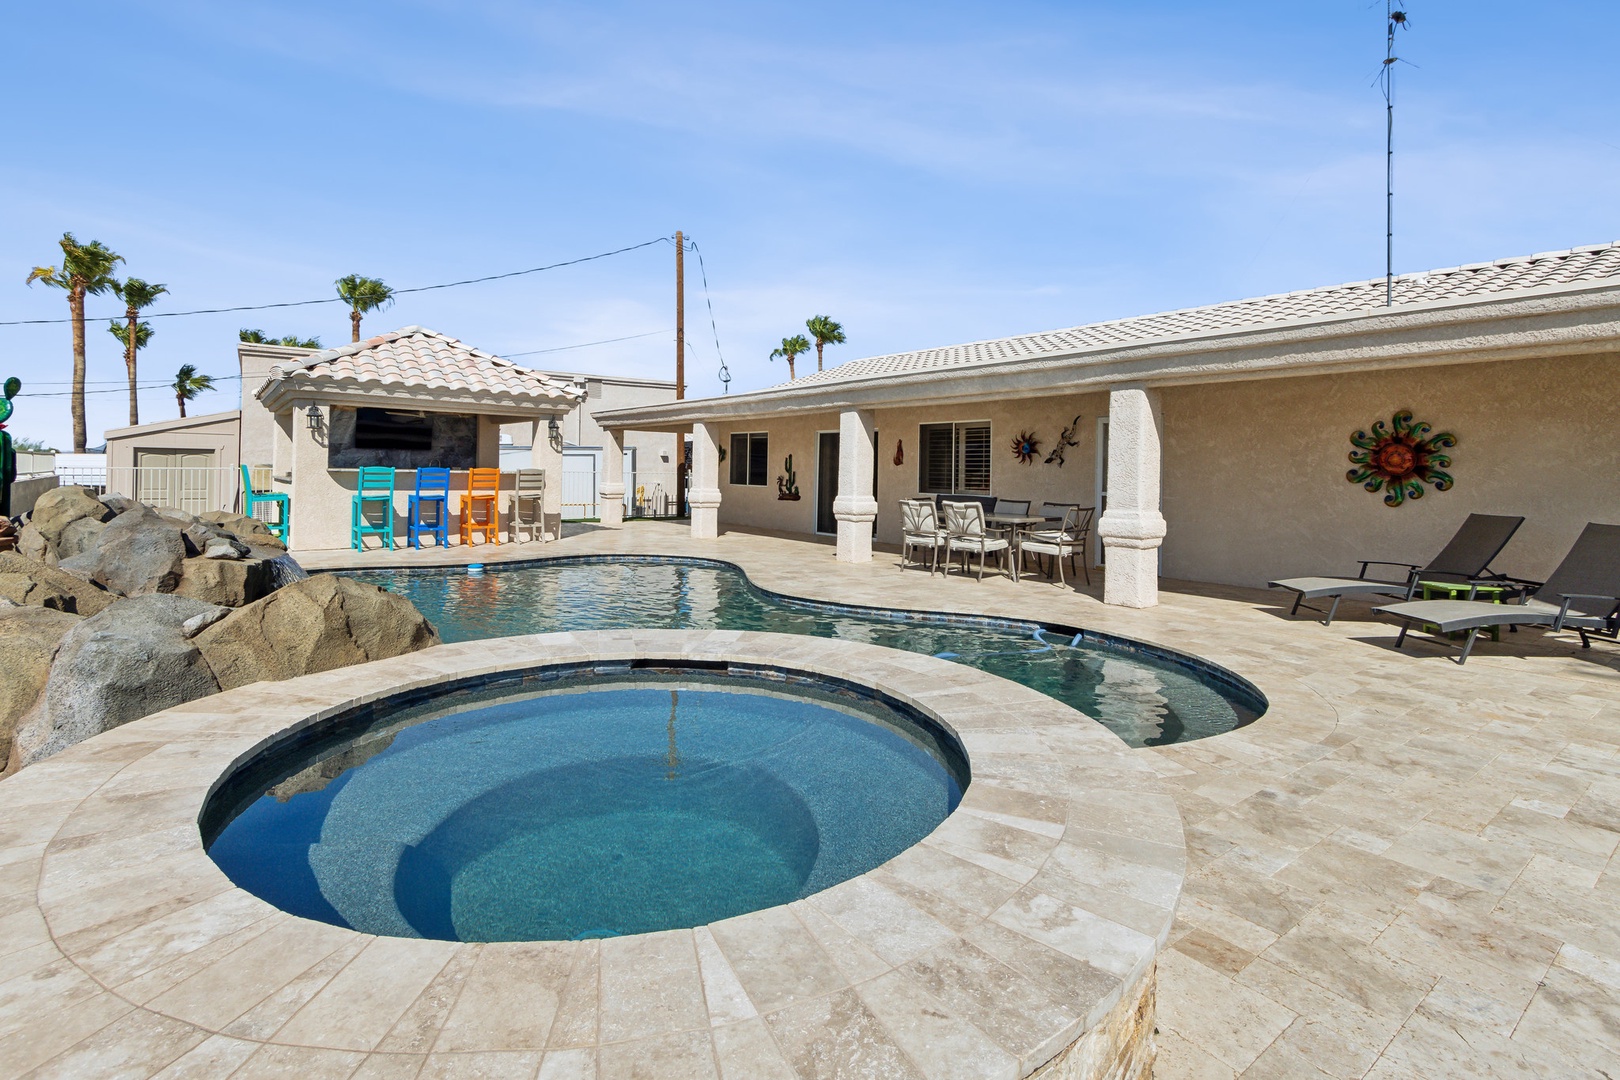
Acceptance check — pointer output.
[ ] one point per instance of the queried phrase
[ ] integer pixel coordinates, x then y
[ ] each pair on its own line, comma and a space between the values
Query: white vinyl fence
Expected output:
579, 485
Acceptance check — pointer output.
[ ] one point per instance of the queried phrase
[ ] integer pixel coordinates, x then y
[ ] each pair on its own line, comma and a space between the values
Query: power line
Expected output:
588, 344
725, 372
340, 300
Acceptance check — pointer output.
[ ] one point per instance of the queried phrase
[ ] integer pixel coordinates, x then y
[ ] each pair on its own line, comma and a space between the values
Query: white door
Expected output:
579, 480
181, 478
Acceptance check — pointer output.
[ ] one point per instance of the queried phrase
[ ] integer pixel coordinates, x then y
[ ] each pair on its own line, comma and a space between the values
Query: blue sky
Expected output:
925, 173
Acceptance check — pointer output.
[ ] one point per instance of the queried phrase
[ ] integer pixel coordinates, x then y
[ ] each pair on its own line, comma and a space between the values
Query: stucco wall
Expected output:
1254, 473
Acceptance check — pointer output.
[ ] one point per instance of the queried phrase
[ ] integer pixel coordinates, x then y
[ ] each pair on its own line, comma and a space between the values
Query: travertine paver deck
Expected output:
1025, 926
1405, 869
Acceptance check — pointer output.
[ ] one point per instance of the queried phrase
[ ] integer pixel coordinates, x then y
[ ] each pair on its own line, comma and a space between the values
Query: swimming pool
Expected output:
1147, 696
585, 801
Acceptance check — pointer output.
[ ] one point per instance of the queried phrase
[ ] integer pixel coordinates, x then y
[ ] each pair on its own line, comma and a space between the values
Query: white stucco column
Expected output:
1131, 527
704, 495
856, 504
544, 454
610, 492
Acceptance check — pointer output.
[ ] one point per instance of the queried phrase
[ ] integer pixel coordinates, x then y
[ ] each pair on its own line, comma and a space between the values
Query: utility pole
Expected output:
1393, 19
680, 368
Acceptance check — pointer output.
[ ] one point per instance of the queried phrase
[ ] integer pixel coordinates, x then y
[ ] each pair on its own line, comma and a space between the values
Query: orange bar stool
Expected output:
483, 488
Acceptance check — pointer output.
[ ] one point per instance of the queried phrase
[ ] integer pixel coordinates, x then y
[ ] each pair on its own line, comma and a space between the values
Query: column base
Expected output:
705, 513
1130, 573
610, 505
855, 517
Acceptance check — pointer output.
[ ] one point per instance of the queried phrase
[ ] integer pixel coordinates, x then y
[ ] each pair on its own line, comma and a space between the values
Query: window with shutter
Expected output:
954, 459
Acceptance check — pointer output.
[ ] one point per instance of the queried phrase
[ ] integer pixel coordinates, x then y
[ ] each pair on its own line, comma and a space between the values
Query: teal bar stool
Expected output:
251, 499
376, 486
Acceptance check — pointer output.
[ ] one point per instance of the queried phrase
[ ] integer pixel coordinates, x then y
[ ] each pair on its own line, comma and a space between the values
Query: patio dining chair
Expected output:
1065, 542
526, 507
278, 499
1468, 556
375, 488
965, 532
432, 491
483, 489
919, 530
1583, 595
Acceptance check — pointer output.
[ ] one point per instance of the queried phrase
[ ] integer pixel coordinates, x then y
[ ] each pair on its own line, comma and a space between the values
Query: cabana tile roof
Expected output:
425, 359
1492, 279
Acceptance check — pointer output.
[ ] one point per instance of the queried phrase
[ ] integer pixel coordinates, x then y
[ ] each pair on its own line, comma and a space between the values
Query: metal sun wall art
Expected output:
1025, 446
1400, 459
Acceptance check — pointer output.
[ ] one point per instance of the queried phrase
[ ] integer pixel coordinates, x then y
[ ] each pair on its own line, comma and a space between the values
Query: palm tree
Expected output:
188, 384
826, 332
143, 337
363, 294
136, 294
259, 337
791, 347
86, 271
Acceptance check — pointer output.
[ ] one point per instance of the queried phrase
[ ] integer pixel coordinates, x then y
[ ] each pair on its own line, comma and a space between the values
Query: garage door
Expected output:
183, 478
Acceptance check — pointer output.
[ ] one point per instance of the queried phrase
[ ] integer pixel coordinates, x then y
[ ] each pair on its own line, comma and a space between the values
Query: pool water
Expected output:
625, 802
1144, 698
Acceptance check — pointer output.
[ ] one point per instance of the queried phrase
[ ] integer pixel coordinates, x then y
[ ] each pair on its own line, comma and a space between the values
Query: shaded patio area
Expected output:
1404, 869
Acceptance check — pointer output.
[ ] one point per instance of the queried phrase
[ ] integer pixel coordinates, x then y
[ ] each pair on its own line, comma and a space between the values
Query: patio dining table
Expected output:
1015, 526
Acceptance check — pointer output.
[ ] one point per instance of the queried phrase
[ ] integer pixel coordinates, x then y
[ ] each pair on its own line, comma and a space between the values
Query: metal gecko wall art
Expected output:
1065, 439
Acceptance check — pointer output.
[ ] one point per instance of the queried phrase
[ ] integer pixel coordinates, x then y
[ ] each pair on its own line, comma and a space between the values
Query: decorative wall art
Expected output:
1025, 446
1065, 440
899, 452
787, 487
1400, 459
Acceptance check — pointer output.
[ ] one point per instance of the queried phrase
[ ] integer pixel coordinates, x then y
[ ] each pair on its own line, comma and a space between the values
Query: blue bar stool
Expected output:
376, 485
432, 490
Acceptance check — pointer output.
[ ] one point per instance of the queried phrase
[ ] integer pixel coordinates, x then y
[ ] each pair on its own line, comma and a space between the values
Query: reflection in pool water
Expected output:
614, 805
1146, 699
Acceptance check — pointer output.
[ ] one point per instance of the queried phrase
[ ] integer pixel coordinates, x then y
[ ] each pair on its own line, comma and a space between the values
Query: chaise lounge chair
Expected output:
1466, 558
1583, 595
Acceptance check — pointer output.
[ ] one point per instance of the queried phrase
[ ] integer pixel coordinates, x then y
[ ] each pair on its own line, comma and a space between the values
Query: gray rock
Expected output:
318, 624
249, 530
34, 584
31, 544
29, 637
82, 567
180, 517
198, 623
140, 553
79, 536
60, 507
118, 503
131, 660
225, 547
284, 569
227, 582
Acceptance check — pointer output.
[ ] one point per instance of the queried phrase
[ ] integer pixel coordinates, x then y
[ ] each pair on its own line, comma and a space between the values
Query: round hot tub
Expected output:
575, 802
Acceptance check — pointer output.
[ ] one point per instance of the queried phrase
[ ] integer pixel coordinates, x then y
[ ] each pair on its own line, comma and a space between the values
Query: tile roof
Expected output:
1492, 279
419, 358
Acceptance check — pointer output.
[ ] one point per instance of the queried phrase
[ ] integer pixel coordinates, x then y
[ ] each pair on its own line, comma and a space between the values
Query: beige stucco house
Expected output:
1214, 441
408, 398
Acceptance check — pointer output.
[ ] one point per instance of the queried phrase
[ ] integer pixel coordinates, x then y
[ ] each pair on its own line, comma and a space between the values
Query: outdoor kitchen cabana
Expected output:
1215, 443
408, 399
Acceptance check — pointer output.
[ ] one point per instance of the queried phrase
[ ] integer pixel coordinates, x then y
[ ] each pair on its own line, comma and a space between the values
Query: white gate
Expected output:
579, 479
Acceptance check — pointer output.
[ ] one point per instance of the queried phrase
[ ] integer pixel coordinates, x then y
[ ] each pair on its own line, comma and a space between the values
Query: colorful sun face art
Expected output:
1025, 446
1400, 459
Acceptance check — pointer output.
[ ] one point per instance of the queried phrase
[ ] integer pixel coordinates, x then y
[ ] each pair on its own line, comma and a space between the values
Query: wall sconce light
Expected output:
553, 430
312, 416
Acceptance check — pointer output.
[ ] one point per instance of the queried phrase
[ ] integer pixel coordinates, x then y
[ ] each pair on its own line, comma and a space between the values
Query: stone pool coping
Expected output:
1024, 929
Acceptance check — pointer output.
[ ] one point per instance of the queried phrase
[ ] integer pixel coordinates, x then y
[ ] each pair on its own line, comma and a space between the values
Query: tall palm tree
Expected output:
791, 347
143, 334
826, 332
259, 337
136, 294
363, 294
86, 271
188, 384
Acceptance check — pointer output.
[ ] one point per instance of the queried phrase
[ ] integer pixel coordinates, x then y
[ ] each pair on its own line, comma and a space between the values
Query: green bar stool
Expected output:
250, 499
376, 486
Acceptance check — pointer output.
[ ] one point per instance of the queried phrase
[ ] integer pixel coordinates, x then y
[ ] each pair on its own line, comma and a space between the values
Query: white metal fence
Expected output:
194, 489
579, 485
650, 493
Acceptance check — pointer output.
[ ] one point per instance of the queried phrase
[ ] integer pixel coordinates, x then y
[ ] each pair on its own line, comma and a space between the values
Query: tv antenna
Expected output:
1386, 80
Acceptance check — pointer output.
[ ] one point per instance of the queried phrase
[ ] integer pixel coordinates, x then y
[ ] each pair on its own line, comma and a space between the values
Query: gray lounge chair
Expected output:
1466, 558
1583, 595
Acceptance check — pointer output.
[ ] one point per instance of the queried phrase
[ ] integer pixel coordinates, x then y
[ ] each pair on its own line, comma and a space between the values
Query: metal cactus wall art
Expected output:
1401, 458
787, 487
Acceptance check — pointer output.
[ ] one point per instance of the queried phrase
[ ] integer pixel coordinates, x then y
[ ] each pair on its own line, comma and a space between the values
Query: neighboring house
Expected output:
412, 397
1214, 441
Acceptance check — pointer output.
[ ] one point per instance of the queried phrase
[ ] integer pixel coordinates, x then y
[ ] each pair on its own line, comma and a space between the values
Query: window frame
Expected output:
751, 467
959, 457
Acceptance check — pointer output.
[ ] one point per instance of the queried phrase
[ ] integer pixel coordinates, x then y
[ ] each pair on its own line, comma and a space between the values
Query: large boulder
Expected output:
318, 624
79, 536
139, 553
24, 581
249, 530
127, 662
29, 637
228, 582
31, 545
61, 507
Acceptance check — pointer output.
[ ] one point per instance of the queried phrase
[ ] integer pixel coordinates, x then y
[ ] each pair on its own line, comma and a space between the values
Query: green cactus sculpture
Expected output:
787, 487
8, 456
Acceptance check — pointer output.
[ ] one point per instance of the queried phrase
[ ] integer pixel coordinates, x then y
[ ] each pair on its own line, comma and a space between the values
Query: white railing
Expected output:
650, 493
88, 470
579, 487
193, 489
